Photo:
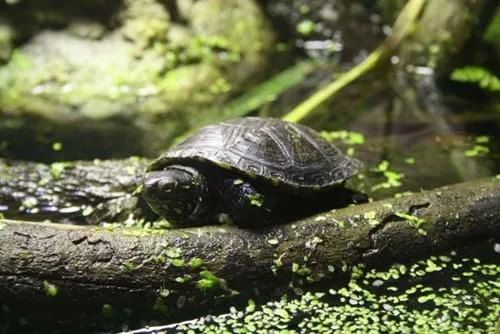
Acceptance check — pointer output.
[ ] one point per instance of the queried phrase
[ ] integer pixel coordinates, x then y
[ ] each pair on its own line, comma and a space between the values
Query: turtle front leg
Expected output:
244, 205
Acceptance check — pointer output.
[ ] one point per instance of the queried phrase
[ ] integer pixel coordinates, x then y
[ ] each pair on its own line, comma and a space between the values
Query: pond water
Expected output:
455, 292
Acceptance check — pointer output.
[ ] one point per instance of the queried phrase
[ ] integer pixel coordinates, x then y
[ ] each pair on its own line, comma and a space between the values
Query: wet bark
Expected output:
124, 276
80, 192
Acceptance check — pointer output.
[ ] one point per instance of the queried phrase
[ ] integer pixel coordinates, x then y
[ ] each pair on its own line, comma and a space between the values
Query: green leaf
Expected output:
477, 75
195, 263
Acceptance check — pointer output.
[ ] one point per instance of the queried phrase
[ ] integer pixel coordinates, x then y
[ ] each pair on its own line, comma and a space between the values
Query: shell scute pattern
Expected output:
269, 148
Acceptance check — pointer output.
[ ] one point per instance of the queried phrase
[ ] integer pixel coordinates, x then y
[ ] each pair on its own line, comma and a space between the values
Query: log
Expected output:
79, 192
98, 277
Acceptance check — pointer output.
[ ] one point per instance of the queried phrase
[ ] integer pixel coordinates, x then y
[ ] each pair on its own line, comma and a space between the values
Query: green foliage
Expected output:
492, 34
477, 75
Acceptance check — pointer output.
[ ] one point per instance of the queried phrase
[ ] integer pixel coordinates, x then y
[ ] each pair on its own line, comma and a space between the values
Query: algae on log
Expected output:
124, 276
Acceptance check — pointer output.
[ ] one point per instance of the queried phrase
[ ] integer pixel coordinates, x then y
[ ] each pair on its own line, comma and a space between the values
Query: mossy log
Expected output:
94, 276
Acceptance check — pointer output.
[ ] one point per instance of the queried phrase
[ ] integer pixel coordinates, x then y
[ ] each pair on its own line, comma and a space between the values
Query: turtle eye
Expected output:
166, 186
157, 184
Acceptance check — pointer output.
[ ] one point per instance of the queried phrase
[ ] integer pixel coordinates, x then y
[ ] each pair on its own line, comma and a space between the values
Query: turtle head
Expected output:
178, 193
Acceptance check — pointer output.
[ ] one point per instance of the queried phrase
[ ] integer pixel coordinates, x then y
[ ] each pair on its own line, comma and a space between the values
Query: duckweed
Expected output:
207, 281
178, 262
414, 221
379, 301
306, 27
409, 160
195, 263
107, 311
256, 199
348, 137
183, 279
128, 266
173, 252
392, 178
50, 289
272, 241
57, 146
57, 168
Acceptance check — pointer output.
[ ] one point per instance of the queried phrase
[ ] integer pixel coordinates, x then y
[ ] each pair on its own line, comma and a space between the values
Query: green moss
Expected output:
306, 27
348, 137
29, 202
87, 211
392, 178
50, 289
409, 160
273, 242
477, 75
142, 56
107, 311
414, 221
492, 33
173, 252
255, 199
195, 263
207, 281
159, 259
183, 279
178, 262
160, 306
57, 168
6, 38
87, 29
129, 266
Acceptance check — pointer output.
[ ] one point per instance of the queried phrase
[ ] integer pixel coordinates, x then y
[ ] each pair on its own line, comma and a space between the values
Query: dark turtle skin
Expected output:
249, 171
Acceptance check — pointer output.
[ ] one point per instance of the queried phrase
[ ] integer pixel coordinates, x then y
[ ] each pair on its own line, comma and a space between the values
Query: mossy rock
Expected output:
125, 84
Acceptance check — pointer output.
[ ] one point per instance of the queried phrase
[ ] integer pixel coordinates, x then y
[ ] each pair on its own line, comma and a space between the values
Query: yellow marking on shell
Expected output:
275, 181
251, 175
223, 165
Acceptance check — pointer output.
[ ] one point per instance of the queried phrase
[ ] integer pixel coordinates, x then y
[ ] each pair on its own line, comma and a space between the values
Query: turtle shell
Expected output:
271, 149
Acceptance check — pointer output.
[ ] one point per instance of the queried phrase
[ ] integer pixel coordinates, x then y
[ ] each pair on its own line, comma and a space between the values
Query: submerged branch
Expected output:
402, 27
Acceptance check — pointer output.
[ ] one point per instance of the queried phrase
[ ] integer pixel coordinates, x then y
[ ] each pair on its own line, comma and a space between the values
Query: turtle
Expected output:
249, 171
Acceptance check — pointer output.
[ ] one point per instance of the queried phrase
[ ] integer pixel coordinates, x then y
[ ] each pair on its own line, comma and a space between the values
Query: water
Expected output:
454, 292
